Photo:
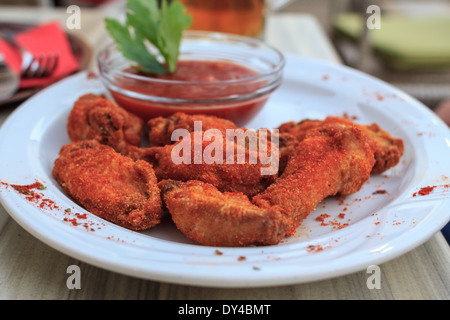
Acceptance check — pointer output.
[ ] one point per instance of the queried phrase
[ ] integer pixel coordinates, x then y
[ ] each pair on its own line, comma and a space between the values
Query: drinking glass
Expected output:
243, 17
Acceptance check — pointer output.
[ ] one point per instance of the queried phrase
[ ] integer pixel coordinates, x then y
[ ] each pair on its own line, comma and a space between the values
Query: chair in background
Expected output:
411, 50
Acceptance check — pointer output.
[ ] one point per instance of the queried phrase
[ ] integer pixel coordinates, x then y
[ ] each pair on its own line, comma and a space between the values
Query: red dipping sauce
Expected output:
223, 89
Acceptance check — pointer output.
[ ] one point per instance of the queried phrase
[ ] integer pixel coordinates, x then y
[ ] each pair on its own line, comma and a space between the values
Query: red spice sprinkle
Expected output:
338, 225
35, 197
424, 191
381, 191
241, 258
50, 204
81, 216
350, 117
322, 218
91, 75
44, 203
28, 189
72, 221
314, 248
379, 96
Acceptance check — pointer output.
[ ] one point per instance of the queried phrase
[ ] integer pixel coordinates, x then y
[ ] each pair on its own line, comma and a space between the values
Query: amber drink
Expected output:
244, 17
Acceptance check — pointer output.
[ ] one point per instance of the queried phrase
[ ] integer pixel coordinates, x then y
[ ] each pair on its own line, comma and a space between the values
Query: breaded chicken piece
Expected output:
286, 145
109, 185
227, 174
98, 118
387, 149
331, 159
161, 128
212, 218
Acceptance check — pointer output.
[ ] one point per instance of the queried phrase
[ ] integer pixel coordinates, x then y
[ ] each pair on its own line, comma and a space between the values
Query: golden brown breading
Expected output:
109, 185
226, 174
212, 218
161, 128
286, 145
95, 117
387, 149
331, 159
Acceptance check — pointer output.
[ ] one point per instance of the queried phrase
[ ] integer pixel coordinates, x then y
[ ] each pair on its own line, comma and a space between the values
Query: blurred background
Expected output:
407, 45
411, 50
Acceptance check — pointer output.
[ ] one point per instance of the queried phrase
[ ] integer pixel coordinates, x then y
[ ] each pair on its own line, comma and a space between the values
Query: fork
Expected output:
32, 66
41, 66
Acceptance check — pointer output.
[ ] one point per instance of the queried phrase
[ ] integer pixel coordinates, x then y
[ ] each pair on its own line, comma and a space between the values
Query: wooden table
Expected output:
29, 269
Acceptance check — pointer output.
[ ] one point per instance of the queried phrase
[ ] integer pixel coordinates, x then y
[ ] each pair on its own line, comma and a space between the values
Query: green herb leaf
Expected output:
146, 23
171, 31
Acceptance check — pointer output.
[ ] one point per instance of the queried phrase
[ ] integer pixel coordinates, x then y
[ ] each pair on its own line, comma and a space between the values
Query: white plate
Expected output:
381, 226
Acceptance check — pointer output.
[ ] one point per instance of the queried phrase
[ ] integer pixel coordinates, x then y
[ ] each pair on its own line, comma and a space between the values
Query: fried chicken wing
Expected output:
161, 128
331, 159
238, 168
212, 218
387, 149
109, 185
95, 117
286, 145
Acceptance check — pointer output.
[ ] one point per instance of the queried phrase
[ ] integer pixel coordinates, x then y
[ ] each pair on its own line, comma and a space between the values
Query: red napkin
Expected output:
46, 38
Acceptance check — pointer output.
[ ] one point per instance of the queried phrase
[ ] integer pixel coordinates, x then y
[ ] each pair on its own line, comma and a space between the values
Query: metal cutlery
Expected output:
32, 66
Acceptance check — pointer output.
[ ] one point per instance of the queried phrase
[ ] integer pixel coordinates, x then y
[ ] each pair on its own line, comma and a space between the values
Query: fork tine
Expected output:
52, 65
49, 66
33, 67
42, 66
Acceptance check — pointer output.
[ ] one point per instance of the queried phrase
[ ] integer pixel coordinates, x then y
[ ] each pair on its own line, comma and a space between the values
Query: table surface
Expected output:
29, 269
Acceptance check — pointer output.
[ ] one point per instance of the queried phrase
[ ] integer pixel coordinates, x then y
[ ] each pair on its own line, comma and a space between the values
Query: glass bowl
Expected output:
237, 99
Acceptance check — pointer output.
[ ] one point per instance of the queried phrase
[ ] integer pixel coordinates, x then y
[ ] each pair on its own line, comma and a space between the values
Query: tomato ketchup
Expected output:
207, 87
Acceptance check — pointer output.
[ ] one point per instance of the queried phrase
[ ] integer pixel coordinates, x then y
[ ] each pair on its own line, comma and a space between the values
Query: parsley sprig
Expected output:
149, 24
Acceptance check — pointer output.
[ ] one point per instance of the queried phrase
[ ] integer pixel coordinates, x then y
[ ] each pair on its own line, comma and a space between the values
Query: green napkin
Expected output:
404, 42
